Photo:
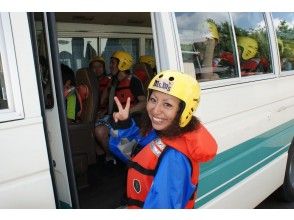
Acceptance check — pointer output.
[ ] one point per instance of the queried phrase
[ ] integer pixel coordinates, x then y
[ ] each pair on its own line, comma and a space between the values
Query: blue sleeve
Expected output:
172, 187
122, 141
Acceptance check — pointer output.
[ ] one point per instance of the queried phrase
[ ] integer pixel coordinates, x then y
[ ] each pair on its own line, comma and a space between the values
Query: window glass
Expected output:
149, 47
43, 60
77, 52
253, 43
3, 98
284, 27
207, 45
110, 45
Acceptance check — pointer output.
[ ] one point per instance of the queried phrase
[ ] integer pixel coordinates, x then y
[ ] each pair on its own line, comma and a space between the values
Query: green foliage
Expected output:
286, 37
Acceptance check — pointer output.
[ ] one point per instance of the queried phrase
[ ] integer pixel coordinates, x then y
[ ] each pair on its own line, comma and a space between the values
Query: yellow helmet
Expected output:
213, 30
125, 60
147, 59
97, 58
249, 47
180, 85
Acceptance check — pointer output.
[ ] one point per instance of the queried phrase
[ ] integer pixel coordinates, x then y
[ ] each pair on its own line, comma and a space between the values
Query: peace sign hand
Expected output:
123, 113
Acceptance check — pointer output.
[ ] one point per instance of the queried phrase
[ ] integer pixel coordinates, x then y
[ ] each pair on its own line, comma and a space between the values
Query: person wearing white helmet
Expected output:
123, 85
163, 169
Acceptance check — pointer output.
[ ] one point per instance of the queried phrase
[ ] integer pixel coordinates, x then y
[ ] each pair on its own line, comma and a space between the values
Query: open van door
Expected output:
50, 85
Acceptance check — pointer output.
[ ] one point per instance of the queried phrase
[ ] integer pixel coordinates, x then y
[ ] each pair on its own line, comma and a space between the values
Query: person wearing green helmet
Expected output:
163, 168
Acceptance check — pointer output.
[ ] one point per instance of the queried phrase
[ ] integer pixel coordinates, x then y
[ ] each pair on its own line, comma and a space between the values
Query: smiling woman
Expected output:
174, 141
162, 109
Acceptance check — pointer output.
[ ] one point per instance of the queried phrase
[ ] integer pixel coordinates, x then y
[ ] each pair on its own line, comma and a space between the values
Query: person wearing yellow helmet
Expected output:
211, 36
123, 85
163, 169
248, 47
147, 59
97, 66
145, 69
120, 61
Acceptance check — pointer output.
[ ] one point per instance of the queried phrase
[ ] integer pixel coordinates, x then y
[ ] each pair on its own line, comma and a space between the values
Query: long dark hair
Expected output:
174, 129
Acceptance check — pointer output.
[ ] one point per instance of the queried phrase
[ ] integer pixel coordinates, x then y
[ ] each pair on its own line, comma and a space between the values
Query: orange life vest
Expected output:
198, 146
103, 83
123, 91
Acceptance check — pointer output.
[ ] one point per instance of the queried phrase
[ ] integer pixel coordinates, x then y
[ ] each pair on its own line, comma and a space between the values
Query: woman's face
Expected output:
162, 109
98, 68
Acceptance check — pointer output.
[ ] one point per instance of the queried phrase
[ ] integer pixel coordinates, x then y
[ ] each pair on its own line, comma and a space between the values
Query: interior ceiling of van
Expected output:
141, 19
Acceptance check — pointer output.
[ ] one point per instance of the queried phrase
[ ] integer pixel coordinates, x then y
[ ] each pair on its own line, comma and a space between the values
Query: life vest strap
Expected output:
140, 169
135, 202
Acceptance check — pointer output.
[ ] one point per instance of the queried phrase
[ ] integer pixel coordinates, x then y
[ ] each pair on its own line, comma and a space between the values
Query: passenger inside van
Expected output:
72, 103
123, 85
205, 72
97, 67
145, 69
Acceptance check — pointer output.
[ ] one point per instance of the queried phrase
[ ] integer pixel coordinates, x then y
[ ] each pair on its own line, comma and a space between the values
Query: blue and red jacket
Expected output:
164, 174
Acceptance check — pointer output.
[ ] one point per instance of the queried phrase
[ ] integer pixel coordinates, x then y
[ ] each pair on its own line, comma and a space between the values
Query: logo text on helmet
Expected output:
163, 85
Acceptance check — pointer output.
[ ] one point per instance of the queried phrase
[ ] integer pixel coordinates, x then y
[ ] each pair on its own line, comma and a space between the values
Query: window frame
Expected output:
15, 109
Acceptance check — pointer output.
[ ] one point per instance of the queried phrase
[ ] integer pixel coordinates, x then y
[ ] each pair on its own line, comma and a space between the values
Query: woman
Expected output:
172, 143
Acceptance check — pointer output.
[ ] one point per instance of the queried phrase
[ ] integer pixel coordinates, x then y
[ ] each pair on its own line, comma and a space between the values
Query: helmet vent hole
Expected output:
171, 78
161, 75
192, 109
187, 117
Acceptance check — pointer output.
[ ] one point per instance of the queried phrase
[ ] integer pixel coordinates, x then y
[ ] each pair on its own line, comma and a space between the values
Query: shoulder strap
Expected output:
112, 94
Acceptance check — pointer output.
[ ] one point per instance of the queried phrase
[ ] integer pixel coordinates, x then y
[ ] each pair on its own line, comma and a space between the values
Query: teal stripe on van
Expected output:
234, 165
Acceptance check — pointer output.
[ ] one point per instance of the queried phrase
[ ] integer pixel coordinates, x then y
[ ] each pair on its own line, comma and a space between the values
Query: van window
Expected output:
109, 45
149, 48
207, 45
11, 107
283, 23
3, 98
253, 43
76, 52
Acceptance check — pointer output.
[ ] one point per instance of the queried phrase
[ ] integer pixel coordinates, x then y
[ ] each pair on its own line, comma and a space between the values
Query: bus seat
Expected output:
81, 134
91, 103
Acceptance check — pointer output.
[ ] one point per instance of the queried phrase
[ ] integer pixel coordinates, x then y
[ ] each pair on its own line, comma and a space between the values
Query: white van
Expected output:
243, 61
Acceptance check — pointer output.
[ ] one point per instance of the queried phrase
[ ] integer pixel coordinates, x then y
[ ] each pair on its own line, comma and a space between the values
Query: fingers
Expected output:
123, 113
114, 117
119, 106
127, 108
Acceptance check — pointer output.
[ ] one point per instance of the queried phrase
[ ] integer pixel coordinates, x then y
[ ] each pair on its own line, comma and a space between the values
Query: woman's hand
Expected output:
123, 113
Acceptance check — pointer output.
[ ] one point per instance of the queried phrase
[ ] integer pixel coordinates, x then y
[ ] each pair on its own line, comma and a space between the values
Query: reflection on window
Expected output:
3, 98
43, 61
110, 45
253, 43
77, 52
284, 27
207, 45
